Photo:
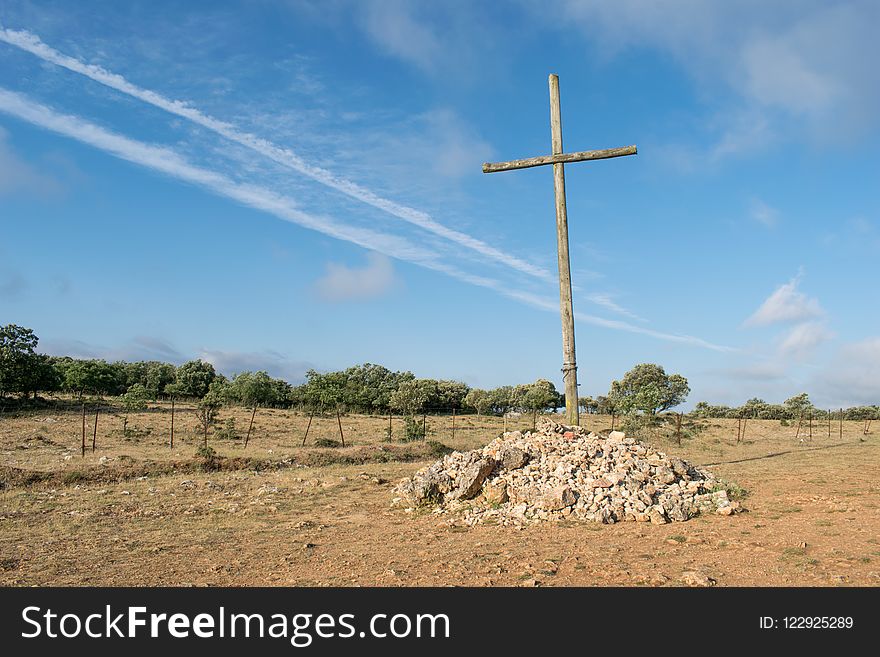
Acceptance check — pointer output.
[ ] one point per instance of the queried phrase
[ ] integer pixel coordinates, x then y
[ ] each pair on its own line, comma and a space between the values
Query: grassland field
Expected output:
136, 512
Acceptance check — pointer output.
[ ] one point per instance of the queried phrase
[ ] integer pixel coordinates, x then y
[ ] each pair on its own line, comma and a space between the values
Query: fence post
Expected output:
172, 421
95, 432
250, 426
339, 422
308, 426
84, 429
453, 422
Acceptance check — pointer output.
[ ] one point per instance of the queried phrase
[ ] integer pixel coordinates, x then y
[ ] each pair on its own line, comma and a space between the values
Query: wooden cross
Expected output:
558, 160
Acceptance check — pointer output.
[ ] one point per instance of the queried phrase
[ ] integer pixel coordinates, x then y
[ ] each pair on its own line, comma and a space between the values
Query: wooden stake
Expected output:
424, 426
389, 425
569, 362
739, 422
798, 432
172, 422
841, 423
453, 422
613, 417
678, 429
829, 423
95, 432
339, 422
811, 426
250, 426
84, 430
745, 422
206, 428
309, 426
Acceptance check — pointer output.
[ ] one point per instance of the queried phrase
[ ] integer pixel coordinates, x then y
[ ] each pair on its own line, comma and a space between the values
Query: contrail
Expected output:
31, 43
170, 163
606, 302
616, 324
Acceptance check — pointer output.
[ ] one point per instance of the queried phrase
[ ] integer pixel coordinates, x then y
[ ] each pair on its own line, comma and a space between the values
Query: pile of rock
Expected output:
561, 472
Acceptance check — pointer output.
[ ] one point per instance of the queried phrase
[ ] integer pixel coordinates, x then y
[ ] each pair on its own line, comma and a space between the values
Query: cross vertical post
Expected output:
569, 363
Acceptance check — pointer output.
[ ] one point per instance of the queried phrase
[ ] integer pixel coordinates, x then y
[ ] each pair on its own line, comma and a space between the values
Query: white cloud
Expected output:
808, 62
342, 283
453, 148
760, 371
152, 348
141, 347
786, 305
803, 338
742, 132
393, 27
778, 74
272, 362
851, 376
764, 214
455, 42
144, 347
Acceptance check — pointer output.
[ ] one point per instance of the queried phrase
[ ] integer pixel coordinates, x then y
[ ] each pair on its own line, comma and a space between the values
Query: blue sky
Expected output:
285, 185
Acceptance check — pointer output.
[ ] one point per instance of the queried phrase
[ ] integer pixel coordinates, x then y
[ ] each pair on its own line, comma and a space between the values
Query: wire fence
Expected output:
437, 422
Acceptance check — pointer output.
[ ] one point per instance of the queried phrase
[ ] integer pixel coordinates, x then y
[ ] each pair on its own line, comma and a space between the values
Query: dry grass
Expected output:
278, 513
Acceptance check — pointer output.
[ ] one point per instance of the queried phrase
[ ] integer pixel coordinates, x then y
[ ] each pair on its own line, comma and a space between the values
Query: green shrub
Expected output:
413, 429
734, 491
227, 431
205, 452
73, 477
327, 442
209, 458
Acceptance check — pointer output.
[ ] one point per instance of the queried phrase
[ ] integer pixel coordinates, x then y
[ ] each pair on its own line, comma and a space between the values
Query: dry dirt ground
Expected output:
145, 514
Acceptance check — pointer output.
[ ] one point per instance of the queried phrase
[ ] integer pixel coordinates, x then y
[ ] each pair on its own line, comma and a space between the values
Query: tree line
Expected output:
794, 408
645, 390
366, 388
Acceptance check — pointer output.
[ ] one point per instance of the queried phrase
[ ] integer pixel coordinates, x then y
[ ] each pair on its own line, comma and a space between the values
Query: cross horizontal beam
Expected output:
562, 158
